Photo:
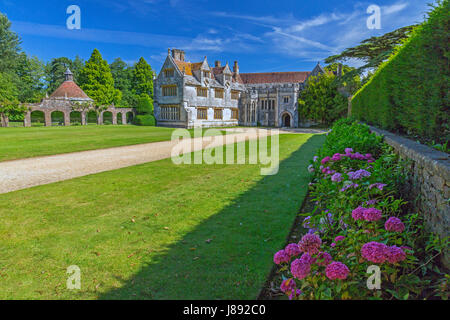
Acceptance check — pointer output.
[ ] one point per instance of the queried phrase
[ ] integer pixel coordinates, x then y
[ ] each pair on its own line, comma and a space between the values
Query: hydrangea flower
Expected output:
377, 185
300, 269
339, 238
336, 157
337, 270
395, 254
323, 259
337, 177
348, 150
281, 257
310, 243
372, 214
358, 213
374, 252
325, 160
306, 257
288, 285
292, 250
394, 224
359, 174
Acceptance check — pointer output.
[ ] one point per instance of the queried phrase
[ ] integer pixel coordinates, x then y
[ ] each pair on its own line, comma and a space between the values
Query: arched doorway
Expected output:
129, 117
286, 120
119, 118
57, 118
37, 118
91, 117
75, 118
107, 117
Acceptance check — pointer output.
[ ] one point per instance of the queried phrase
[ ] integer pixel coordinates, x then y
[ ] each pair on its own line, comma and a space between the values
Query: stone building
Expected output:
70, 100
196, 95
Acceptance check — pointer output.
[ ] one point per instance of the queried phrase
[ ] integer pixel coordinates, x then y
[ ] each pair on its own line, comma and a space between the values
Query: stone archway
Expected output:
107, 117
119, 118
37, 118
76, 118
286, 120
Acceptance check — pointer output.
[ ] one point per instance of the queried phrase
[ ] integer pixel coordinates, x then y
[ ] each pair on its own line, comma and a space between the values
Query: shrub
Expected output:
409, 93
144, 104
360, 221
145, 120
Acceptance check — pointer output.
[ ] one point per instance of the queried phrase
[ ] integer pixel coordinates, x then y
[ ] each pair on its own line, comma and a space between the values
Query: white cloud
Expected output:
397, 7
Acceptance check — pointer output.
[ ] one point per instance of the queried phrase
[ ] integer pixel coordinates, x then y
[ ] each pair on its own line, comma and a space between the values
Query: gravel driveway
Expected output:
26, 173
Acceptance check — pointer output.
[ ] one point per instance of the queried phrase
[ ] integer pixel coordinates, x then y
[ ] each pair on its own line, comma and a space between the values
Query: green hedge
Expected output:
145, 120
409, 92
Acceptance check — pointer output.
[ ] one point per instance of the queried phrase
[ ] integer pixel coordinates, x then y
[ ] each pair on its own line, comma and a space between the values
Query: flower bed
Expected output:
360, 241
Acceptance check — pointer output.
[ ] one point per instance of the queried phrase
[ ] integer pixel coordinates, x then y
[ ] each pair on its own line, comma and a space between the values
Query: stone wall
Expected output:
428, 189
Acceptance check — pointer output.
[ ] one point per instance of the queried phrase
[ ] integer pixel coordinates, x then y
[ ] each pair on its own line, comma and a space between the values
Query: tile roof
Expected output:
184, 66
69, 89
274, 77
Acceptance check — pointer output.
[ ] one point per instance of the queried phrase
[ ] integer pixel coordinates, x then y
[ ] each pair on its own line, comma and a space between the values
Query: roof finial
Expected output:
69, 75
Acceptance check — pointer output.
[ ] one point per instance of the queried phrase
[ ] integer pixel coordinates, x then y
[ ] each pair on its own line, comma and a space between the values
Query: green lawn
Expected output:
153, 231
17, 143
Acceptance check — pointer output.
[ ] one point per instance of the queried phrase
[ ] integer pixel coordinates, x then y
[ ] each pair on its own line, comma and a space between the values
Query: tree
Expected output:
9, 104
97, 81
55, 72
144, 104
321, 101
9, 46
123, 75
30, 78
143, 78
373, 51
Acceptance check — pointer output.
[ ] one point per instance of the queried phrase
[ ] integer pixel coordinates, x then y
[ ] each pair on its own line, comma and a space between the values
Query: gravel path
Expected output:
26, 173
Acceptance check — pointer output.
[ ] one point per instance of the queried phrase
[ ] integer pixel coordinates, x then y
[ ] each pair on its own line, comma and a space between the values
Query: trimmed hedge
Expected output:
145, 120
409, 92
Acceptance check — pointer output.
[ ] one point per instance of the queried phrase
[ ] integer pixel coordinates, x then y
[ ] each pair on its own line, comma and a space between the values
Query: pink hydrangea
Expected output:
337, 270
310, 243
323, 259
348, 150
292, 250
394, 224
374, 252
300, 269
288, 285
339, 238
395, 254
306, 257
336, 157
281, 257
372, 214
333, 245
358, 213
325, 160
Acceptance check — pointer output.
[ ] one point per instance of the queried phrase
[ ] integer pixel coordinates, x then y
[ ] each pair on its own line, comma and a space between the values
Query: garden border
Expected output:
428, 187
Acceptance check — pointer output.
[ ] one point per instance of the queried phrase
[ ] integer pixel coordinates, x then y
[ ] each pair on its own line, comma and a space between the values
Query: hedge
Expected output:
145, 120
409, 92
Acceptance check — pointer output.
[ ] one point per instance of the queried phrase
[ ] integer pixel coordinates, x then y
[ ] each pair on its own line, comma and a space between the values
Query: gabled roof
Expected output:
184, 66
69, 89
274, 77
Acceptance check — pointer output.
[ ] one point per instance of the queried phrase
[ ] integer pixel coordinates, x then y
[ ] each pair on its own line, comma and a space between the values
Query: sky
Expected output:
263, 36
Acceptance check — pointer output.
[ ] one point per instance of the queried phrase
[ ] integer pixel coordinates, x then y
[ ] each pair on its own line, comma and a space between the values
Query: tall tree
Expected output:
55, 72
9, 104
373, 51
123, 76
9, 46
143, 78
30, 80
97, 81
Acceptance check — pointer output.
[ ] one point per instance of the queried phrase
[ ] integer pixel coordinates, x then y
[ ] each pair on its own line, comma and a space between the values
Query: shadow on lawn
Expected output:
231, 260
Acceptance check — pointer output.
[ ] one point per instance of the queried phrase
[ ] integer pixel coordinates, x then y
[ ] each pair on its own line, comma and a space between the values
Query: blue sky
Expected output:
264, 36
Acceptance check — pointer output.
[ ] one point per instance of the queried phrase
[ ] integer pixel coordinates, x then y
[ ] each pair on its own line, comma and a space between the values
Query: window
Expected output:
218, 114
218, 93
286, 99
169, 73
170, 112
202, 92
202, 113
169, 91
235, 95
234, 114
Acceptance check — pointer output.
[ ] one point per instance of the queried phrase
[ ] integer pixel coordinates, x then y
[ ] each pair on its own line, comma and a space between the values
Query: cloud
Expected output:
397, 7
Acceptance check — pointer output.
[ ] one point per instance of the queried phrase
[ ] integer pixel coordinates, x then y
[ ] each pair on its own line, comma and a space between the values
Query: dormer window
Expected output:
207, 74
227, 78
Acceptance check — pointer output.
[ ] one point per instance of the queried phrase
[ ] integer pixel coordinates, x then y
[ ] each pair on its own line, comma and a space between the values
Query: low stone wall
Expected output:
429, 183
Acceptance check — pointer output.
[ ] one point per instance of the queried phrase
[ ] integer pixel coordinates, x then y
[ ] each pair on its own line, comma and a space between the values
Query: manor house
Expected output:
197, 95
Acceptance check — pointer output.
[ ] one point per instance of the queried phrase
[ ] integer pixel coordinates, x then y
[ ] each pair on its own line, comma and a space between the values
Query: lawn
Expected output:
17, 143
154, 231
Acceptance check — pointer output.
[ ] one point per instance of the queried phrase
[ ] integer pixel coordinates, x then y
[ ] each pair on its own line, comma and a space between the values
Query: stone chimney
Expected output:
217, 64
236, 67
178, 54
69, 75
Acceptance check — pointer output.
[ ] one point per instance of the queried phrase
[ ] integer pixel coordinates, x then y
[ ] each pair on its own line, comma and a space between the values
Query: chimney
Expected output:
339, 70
178, 54
217, 64
236, 67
